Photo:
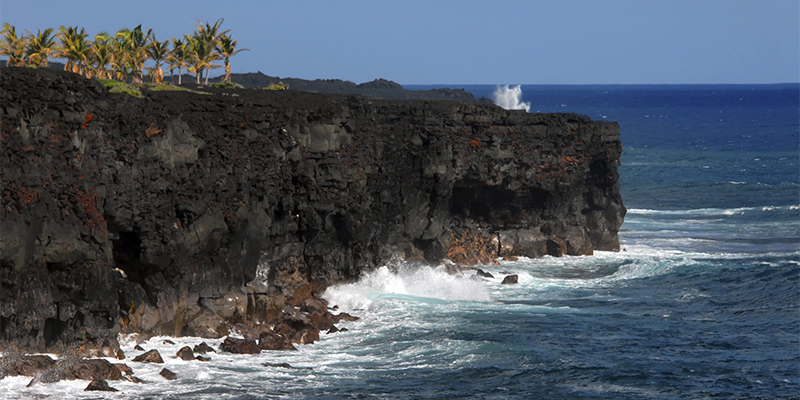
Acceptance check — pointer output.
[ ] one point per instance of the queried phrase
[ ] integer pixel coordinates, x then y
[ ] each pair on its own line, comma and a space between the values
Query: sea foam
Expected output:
422, 284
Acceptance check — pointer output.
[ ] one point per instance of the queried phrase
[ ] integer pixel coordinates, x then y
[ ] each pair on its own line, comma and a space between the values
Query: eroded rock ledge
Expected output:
163, 214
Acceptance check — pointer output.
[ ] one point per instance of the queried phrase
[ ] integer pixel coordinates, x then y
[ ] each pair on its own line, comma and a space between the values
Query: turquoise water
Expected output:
703, 303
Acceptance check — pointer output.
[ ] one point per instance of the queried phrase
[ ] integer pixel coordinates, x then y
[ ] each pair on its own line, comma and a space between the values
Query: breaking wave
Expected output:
510, 98
416, 284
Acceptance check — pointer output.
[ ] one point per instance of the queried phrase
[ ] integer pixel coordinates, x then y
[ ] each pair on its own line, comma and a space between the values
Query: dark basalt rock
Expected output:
99, 385
510, 279
74, 367
203, 348
239, 346
483, 273
274, 341
284, 365
152, 356
185, 354
168, 375
185, 214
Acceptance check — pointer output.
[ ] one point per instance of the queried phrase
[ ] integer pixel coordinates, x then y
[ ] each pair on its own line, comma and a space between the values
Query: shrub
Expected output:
277, 86
120, 87
226, 85
165, 88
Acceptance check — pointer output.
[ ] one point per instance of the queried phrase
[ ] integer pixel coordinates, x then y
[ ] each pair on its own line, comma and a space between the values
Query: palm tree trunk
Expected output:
180, 75
227, 72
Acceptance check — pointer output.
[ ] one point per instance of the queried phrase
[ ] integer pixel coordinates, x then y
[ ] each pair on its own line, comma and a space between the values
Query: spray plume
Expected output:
510, 98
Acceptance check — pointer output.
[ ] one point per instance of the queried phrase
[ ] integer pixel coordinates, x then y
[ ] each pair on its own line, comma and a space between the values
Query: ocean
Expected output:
703, 302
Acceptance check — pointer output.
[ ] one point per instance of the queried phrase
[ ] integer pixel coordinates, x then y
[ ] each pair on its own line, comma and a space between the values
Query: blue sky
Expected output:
472, 42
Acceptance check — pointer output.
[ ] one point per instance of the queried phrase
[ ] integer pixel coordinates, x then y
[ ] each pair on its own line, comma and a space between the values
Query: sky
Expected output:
468, 41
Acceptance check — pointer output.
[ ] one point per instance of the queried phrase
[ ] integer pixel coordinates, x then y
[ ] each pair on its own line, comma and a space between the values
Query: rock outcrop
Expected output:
183, 214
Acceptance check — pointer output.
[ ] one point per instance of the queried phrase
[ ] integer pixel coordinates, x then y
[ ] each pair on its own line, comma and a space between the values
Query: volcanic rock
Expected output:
483, 273
152, 356
510, 279
168, 375
178, 213
203, 348
14, 364
239, 346
284, 365
99, 385
274, 341
185, 354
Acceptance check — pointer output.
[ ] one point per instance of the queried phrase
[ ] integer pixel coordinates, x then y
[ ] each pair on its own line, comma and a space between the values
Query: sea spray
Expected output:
510, 98
421, 284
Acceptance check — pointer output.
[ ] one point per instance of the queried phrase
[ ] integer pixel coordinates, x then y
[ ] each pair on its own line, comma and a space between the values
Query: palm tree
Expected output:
12, 46
102, 56
227, 49
207, 36
199, 54
177, 58
158, 52
74, 48
40, 46
133, 46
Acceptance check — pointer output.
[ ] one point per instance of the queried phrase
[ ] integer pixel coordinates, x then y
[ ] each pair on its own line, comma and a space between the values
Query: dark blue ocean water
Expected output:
704, 303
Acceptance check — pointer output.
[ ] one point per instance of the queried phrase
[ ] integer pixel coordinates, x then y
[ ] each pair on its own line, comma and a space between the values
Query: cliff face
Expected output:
163, 214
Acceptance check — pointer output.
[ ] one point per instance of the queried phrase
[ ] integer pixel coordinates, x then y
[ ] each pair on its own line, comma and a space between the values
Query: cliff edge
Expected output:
182, 213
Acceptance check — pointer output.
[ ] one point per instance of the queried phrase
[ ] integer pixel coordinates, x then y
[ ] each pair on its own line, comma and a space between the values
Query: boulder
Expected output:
321, 319
313, 305
510, 279
99, 385
483, 273
95, 368
239, 346
185, 354
14, 364
203, 348
74, 367
168, 375
274, 341
306, 336
152, 356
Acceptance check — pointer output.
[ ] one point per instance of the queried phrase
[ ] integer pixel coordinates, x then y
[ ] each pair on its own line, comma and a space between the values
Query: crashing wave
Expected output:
510, 98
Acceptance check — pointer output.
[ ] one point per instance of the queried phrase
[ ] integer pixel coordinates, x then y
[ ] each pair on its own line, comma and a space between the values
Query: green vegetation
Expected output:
165, 88
226, 85
115, 86
123, 55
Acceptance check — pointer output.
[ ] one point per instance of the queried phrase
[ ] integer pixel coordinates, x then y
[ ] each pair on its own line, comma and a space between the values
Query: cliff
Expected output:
185, 213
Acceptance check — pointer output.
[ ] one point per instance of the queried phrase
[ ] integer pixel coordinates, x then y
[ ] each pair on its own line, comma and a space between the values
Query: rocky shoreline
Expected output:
191, 214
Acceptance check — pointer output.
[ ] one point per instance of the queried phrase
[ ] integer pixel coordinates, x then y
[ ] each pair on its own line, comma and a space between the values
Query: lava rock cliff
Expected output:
186, 213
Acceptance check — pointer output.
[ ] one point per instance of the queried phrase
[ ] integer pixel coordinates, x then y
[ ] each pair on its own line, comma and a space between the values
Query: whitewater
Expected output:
702, 302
